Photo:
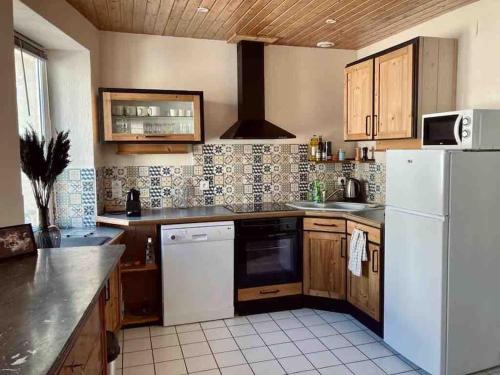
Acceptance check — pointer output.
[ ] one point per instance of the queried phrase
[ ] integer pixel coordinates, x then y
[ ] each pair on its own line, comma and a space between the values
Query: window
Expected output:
32, 109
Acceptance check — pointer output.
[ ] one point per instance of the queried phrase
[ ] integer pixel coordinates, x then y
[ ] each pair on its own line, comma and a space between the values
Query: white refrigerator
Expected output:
442, 259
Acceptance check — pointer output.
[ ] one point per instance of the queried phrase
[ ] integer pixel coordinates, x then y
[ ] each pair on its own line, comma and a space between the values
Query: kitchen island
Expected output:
48, 301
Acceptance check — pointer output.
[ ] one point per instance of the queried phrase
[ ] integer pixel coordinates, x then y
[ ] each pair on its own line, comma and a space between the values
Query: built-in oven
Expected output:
462, 130
268, 252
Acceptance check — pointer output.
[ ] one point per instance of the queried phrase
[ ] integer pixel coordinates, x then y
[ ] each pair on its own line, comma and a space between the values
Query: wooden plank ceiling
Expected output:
294, 22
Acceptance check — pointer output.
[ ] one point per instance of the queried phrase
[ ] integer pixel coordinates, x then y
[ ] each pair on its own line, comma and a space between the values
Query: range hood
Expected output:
251, 122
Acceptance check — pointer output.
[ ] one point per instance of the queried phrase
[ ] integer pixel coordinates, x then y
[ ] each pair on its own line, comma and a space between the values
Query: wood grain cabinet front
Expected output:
113, 304
358, 101
325, 260
364, 291
88, 353
393, 113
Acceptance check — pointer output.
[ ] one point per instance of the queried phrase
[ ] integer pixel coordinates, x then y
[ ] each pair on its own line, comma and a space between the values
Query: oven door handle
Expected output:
456, 130
279, 235
261, 237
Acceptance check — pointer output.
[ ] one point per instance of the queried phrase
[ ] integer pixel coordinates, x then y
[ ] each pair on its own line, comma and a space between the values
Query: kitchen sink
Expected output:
332, 206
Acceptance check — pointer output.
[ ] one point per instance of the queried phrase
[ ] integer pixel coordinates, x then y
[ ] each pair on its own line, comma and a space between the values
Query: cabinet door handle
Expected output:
374, 260
107, 292
343, 247
367, 129
376, 126
325, 225
274, 291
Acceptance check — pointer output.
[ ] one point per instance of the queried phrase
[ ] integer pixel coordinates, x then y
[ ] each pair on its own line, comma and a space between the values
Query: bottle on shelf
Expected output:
313, 148
319, 149
341, 154
150, 252
326, 151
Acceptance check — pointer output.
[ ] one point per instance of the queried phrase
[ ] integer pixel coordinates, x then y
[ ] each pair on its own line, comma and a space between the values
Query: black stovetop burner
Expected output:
258, 207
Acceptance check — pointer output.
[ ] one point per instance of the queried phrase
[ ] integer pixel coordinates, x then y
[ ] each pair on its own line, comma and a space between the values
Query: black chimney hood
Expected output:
251, 122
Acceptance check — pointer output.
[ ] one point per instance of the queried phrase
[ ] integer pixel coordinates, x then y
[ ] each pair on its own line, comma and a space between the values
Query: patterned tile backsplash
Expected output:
75, 198
235, 174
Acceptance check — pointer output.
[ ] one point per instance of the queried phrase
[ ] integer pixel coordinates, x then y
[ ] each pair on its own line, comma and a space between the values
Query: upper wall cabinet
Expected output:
358, 101
386, 94
151, 116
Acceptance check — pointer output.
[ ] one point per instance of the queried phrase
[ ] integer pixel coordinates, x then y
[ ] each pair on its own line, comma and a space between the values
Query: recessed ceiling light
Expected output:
202, 10
330, 21
325, 44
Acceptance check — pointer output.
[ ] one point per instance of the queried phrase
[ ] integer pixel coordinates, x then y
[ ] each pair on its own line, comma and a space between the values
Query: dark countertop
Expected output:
374, 217
95, 236
44, 299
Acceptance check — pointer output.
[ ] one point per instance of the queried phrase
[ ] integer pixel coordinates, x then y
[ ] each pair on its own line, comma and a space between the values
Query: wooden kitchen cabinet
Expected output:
113, 298
88, 352
112, 294
364, 291
393, 88
151, 116
393, 94
358, 101
324, 266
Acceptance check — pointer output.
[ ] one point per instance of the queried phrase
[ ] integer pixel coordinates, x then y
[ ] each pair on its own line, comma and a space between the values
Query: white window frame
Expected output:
44, 108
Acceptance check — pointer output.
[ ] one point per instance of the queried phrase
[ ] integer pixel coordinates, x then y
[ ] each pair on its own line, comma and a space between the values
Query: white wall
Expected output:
477, 28
69, 81
303, 85
60, 21
305, 91
11, 201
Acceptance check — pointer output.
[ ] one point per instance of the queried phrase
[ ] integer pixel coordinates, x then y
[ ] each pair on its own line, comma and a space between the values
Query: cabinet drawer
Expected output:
270, 291
324, 225
372, 233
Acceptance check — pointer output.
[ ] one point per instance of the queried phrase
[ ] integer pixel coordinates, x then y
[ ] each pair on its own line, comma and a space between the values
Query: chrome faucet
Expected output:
325, 198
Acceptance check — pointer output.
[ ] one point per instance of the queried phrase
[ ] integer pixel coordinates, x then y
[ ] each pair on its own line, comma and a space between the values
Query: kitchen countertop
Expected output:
373, 217
44, 299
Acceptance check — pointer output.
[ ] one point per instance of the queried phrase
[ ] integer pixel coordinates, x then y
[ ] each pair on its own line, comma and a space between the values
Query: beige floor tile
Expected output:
176, 367
167, 354
188, 327
195, 349
139, 370
160, 330
202, 363
136, 333
191, 337
135, 345
144, 357
164, 341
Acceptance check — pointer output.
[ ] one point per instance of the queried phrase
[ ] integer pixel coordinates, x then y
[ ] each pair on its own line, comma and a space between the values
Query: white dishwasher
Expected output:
197, 272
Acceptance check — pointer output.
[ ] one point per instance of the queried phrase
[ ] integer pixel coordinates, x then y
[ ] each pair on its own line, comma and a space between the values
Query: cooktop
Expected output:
258, 207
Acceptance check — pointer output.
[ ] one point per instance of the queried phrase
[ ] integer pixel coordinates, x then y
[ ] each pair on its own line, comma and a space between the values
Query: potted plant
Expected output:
42, 162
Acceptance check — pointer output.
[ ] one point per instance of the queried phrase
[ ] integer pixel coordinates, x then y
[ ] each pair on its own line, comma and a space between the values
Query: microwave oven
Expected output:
468, 129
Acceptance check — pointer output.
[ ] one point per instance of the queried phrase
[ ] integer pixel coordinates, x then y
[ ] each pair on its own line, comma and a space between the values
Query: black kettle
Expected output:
133, 205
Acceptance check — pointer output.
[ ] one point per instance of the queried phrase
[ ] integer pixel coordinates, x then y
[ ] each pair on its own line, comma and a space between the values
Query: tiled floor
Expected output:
301, 341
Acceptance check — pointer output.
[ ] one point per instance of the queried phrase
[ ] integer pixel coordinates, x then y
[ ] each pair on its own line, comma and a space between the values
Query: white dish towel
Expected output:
357, 251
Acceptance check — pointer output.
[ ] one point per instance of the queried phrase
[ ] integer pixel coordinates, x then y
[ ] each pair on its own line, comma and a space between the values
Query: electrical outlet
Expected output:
116, 189
341, 180
204, 185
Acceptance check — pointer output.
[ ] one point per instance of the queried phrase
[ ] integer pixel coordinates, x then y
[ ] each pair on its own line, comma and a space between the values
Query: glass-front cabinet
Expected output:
151, 116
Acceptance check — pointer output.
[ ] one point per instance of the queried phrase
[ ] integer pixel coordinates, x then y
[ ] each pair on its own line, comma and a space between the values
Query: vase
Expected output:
47, 235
